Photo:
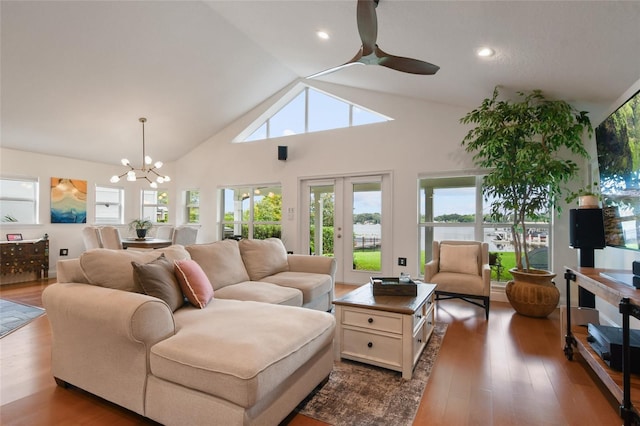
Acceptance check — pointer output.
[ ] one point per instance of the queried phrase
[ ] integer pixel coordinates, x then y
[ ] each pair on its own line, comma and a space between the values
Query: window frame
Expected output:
155, 205
265, 119
479, 225
246, 192
188, 206
34, 199
120, 205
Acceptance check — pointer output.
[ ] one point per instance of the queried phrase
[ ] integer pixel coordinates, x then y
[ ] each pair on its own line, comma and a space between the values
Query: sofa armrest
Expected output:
101, 339
430, 269
313, 264
69, 271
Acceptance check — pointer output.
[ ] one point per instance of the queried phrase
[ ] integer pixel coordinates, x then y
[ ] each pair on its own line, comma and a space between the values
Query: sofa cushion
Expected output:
113, 269
259, 291
460, 258
459, 283
157, 279
251, 351
263, 257
194, 282
220, 261
311, 285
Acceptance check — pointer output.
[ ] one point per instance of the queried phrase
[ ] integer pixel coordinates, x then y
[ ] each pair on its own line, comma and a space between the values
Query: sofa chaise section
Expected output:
241, 364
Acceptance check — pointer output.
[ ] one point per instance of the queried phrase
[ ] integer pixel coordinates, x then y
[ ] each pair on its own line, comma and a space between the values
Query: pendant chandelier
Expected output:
148, 171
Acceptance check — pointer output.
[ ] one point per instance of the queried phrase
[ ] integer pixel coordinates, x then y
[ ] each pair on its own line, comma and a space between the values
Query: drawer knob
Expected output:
370, 320
418, 316
370, 344
419, 340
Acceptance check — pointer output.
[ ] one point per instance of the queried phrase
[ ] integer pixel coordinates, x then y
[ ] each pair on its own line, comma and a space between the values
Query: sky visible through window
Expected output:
325, 112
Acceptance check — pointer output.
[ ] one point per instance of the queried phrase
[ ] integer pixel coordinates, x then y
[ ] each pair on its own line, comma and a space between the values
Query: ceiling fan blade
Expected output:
367, 24
399, 63
353, 61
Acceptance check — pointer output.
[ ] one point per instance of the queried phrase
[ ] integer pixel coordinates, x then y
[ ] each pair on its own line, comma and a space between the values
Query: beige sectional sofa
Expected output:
237, 361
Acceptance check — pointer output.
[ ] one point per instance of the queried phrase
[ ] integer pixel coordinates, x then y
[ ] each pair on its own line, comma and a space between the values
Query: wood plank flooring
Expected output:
509, 370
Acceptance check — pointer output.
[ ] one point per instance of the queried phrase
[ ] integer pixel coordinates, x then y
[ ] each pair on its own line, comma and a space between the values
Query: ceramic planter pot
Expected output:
588, 202
533, 293
141, 233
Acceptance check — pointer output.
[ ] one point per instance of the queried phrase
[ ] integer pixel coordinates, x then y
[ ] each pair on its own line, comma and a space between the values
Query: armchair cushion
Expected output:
459, 258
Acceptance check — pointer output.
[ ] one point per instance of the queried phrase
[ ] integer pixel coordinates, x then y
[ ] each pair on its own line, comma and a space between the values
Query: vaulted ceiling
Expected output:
77, 75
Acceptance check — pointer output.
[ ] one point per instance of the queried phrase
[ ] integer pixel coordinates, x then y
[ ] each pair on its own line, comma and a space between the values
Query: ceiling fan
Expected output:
371, 54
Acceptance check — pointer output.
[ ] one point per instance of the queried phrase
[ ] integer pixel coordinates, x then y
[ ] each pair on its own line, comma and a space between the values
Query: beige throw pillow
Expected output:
220, 261
264, 257
113, 269
461, 258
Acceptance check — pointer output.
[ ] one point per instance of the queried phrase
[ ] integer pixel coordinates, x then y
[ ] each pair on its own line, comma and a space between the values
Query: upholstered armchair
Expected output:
461, 271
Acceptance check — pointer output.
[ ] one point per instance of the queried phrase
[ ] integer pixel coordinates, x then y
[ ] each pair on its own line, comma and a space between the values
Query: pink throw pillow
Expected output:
194, 282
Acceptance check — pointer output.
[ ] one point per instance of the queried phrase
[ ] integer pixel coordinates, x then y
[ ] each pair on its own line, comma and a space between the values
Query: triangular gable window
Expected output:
310, 110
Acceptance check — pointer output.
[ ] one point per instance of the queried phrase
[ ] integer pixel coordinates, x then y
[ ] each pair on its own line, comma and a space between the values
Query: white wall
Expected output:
424, 138
16, 163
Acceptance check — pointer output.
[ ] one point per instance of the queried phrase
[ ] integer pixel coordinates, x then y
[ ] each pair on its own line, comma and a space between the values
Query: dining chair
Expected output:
91, 237
185, 235
110, 237
165, 233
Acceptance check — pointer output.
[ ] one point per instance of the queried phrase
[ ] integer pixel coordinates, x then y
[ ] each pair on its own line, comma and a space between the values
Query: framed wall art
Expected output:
68, 200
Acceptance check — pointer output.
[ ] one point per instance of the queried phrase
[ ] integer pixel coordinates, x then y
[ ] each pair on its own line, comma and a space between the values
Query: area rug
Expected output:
364, 395
14, 315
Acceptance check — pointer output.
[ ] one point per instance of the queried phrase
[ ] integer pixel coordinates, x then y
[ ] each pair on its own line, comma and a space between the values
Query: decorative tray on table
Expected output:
393, 286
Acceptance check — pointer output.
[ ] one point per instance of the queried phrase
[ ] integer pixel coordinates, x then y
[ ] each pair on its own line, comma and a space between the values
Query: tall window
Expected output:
155, 205
109, 205
19, 200
251, 212
309, 111
192, 206
453, 208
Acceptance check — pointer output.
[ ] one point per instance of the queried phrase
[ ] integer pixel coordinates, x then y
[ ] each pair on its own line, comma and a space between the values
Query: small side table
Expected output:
386, 331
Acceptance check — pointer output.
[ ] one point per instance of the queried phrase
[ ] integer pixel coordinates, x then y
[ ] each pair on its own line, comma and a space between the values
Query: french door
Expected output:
349, 217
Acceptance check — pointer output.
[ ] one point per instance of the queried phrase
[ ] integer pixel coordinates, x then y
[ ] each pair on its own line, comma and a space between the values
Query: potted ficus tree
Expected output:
141, 226
524, 145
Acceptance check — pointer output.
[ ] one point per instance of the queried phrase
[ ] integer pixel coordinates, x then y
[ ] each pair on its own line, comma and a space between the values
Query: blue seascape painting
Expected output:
68, 200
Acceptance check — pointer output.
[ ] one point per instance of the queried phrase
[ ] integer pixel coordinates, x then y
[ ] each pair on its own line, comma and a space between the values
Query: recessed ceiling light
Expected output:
485, 52
323, 35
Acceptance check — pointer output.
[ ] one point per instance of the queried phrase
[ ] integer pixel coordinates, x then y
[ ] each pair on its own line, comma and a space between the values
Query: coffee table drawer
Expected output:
372, 347
372, 320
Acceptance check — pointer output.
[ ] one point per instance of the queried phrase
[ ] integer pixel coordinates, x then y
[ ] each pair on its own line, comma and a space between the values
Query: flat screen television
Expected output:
618, 145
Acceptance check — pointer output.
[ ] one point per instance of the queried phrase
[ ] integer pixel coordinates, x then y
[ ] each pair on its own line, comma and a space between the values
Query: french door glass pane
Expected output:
367, 231
321, 210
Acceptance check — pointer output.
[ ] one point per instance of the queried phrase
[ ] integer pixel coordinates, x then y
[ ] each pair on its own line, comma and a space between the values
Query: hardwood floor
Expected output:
506, 371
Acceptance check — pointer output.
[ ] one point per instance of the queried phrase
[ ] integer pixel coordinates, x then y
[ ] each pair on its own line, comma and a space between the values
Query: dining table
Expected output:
148, 243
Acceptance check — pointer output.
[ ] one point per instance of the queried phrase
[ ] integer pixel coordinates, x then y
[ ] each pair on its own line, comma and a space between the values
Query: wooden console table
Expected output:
620, 384
25, 256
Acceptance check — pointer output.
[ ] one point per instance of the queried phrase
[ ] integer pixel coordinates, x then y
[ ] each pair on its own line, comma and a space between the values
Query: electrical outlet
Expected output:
402, 261
64, 252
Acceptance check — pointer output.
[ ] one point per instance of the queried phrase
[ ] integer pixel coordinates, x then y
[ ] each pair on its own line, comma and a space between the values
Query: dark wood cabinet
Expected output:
29, 256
